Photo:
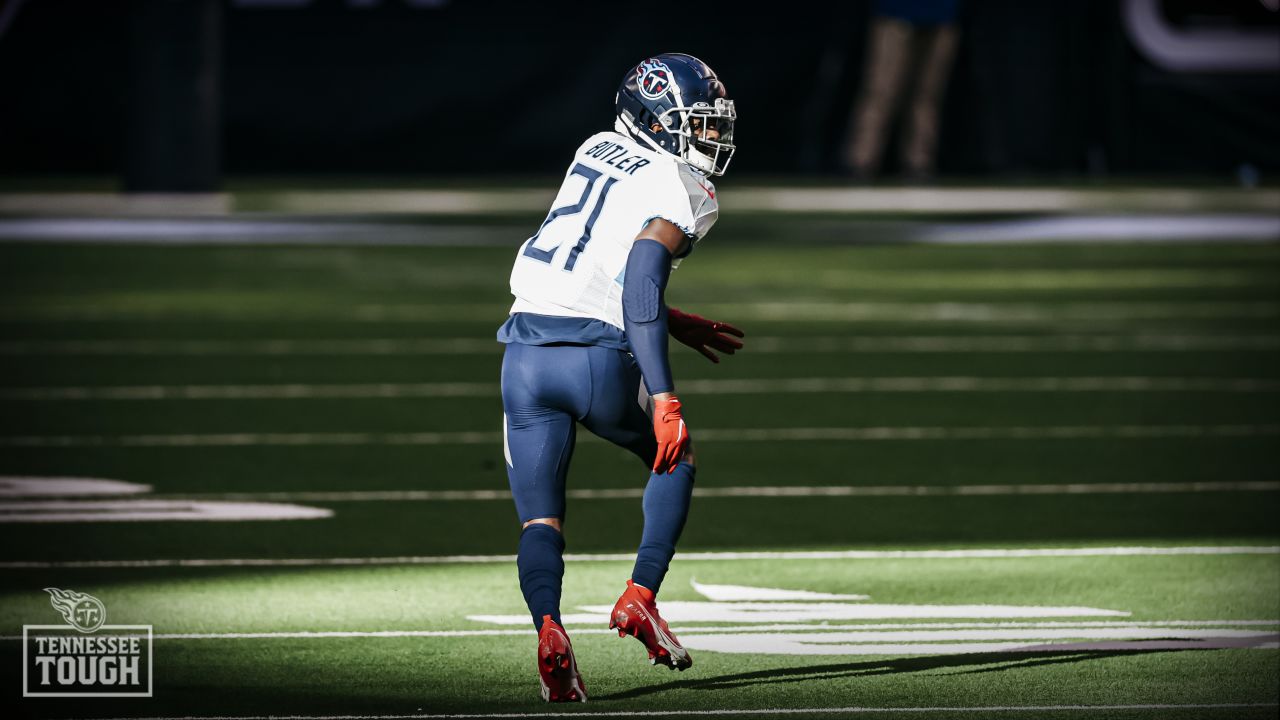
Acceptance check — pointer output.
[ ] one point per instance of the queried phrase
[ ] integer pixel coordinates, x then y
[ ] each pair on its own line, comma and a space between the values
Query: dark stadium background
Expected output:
1039, 89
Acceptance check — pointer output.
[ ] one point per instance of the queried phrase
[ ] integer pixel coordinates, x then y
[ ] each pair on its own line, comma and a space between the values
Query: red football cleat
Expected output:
557, 670
635, 614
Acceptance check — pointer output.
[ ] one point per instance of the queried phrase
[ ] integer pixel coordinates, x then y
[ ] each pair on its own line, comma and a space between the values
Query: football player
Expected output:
586, 341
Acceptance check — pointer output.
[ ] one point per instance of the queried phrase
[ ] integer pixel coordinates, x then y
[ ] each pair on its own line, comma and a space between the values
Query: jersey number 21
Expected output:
531, 248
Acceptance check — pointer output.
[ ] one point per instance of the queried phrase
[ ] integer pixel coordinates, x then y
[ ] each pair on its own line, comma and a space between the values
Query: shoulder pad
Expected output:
703, 205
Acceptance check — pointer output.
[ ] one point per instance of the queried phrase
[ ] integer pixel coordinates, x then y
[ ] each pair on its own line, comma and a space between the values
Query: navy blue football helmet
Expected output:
671, 103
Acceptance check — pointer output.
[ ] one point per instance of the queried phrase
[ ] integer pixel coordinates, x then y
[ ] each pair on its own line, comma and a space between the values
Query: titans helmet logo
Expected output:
654, 78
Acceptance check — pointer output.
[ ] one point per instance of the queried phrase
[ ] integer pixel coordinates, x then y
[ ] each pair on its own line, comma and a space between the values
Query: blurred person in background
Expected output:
912, 46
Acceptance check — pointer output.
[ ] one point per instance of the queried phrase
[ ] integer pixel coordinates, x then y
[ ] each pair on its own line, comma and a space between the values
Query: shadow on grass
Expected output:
965, 664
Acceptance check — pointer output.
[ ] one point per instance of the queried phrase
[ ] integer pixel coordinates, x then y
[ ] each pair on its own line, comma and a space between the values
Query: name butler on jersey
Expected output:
574, 265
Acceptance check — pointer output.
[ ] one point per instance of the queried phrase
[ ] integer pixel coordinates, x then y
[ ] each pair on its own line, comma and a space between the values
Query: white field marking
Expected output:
977, 384
1046, 634
253, 439
14, 487
740, 386
61, 204
822, 311
774, 645
397, 346
151, 231
755, 345
1017, 710
975, 553
809, 311
1158, 204
1005, 343
255, 392
152, 510
1128, 228
418, 201
766, 491
791, 434
985, 490
724, 593
980, 200
325, 634
1010, 624
1051, 432
676, 611
858, 643
844, 277
809, 628
940, 642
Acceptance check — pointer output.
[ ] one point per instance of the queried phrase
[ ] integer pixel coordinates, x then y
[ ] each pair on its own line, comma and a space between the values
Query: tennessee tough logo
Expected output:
654, 78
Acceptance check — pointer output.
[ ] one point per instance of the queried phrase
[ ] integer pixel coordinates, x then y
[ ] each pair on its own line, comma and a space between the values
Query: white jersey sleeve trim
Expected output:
683, 228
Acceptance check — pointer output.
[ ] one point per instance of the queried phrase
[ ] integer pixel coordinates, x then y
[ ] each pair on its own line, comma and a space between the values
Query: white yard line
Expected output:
1056, 432
952, 313
753, 491
979, 200
152, 510
1112, 633
255, 392
25, 487
697, 611
218, 231
392, 346
814, 633
1017, 432
974, 553
1146, 205
682, 630
828, 311
740, 386
1006, 343
734, 712
251, 439
978, 312
978, 384
767, 344
760, 645
1108, 228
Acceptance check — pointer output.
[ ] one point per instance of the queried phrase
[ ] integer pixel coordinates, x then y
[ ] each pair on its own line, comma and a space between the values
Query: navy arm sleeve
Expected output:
645, 314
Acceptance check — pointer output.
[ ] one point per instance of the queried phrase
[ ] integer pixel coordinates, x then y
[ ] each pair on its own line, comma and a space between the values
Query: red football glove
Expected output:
702, 334
672, 434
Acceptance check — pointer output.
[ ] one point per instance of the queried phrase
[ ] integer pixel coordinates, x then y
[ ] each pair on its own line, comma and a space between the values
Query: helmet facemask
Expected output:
693, 126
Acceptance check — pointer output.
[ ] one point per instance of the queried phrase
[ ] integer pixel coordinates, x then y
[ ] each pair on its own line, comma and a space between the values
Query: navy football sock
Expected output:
541, 564
666, 505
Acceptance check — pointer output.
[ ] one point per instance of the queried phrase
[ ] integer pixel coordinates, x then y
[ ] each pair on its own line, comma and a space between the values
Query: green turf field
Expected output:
1091, 401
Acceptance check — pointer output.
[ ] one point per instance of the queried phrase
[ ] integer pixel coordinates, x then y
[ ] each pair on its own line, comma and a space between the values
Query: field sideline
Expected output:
988, 481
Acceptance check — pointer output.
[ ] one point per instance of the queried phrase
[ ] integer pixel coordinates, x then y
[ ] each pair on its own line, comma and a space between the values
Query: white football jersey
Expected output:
574, 265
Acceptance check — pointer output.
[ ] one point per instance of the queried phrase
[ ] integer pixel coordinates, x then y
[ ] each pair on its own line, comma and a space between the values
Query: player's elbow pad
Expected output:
645, 315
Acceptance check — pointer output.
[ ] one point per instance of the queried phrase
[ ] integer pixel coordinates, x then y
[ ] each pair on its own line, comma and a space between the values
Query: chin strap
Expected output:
625, 126
704, 172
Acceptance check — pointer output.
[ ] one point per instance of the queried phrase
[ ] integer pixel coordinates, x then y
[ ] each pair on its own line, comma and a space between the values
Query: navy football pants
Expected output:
545, 390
